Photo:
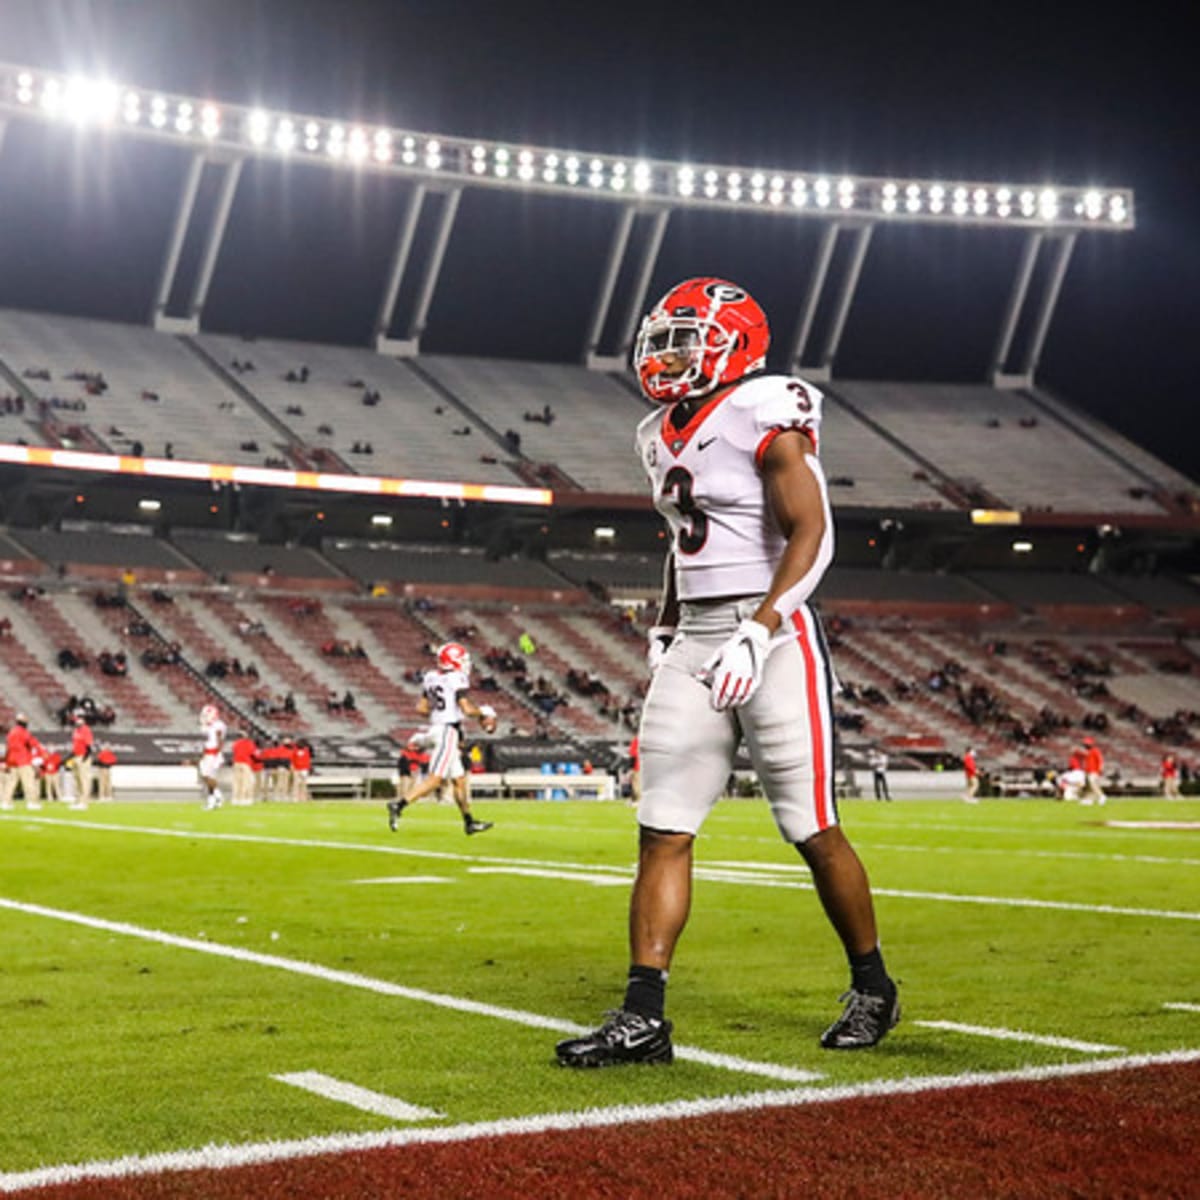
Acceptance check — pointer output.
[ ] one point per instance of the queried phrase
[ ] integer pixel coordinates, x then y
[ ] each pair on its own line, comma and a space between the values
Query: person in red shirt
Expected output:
244, 753
22, 749
51, 774
1093, 769
105, 761
82, 751
971, 770
1170, 777
301, 769
635, 772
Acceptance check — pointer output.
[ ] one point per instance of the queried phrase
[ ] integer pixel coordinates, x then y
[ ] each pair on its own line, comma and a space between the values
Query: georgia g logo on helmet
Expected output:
704, 333
453, 656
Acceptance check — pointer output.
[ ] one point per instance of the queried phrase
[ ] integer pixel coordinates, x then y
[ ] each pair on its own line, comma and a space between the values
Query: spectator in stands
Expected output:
877, 760
70, 659
971, 770
22, 759
1169, 777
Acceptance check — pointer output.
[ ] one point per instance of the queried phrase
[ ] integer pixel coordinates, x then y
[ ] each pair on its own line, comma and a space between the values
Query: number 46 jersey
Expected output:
708, 484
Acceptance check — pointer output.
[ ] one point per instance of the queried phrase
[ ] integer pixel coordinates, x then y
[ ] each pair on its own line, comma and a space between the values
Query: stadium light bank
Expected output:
258, 131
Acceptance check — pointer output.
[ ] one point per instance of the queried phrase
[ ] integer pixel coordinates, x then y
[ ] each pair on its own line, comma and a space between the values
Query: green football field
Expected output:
164, 967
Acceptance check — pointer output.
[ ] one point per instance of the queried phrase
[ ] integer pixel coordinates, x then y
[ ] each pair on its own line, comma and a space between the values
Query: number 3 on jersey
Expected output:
693, 528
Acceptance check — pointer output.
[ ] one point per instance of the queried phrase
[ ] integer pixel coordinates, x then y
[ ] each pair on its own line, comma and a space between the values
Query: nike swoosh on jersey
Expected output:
705, 444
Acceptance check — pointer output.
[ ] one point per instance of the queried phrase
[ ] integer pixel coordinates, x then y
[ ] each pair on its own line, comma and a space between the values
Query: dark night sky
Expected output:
1069, 93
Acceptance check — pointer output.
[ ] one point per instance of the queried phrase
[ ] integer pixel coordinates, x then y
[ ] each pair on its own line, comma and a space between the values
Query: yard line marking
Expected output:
408, 879
213, 1158
1019, 1035
537, 873
1182, 1006
358, 1097
382, 987
896, 893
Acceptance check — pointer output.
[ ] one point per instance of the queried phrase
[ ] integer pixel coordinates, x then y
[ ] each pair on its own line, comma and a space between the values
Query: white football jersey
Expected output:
214, 737
708, 486
442, 689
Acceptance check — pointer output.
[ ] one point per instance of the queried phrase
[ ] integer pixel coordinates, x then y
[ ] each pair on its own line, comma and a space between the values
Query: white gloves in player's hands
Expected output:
734, 672
658, 642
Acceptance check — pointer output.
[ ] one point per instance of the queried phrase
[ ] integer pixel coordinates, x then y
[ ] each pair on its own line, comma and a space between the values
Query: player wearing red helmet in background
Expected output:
736, 654
213, 755
444, 703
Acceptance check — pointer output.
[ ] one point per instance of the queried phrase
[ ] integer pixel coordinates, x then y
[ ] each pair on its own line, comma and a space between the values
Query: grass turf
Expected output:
117, 1045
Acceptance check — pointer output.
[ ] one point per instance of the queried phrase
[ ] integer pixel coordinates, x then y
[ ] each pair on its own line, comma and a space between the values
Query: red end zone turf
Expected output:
1131, 1133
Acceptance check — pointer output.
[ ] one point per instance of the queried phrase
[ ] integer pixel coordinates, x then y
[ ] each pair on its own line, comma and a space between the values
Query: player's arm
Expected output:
668, 604
662, 633
423, 705
795, 492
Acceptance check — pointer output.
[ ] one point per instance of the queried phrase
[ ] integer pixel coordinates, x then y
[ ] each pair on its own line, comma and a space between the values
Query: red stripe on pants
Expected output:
815, 722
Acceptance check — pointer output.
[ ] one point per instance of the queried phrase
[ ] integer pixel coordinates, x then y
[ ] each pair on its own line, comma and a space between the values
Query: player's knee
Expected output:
664, 842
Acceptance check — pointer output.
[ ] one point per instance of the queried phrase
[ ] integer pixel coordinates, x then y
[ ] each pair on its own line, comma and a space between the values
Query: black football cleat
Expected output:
866, 1020
394, 810
473, 826
625, 1037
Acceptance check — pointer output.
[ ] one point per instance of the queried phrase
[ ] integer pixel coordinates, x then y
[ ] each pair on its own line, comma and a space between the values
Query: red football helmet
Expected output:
716, 325
453, 657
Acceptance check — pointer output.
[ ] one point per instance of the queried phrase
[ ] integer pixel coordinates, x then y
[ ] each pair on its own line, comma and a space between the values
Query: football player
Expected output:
213, 755
443, 704
736, 654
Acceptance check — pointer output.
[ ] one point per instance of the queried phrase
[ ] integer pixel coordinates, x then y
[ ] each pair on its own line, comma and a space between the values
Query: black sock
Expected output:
868, 974
401, 805
645, 993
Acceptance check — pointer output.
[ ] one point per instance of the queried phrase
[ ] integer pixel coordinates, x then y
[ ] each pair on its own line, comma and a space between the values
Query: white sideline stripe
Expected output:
358, 1097
1187, 826
213, 1158
1074, 855
1112, 910
625, 872
408, 879
537, 873
1182, 1006
1019, 1035
728, 1062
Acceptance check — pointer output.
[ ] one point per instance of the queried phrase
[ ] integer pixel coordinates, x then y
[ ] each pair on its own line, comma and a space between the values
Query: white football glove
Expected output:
658, 642
734, 672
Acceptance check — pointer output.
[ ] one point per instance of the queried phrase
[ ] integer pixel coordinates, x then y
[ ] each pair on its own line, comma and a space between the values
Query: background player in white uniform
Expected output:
737, 654
444, 703
213, 754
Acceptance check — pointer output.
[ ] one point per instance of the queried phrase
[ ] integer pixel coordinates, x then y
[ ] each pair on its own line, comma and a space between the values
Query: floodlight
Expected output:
150, 505
285, 135
604, 533
51, 95
258, 125
1022, 547
381, 520
210, 121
